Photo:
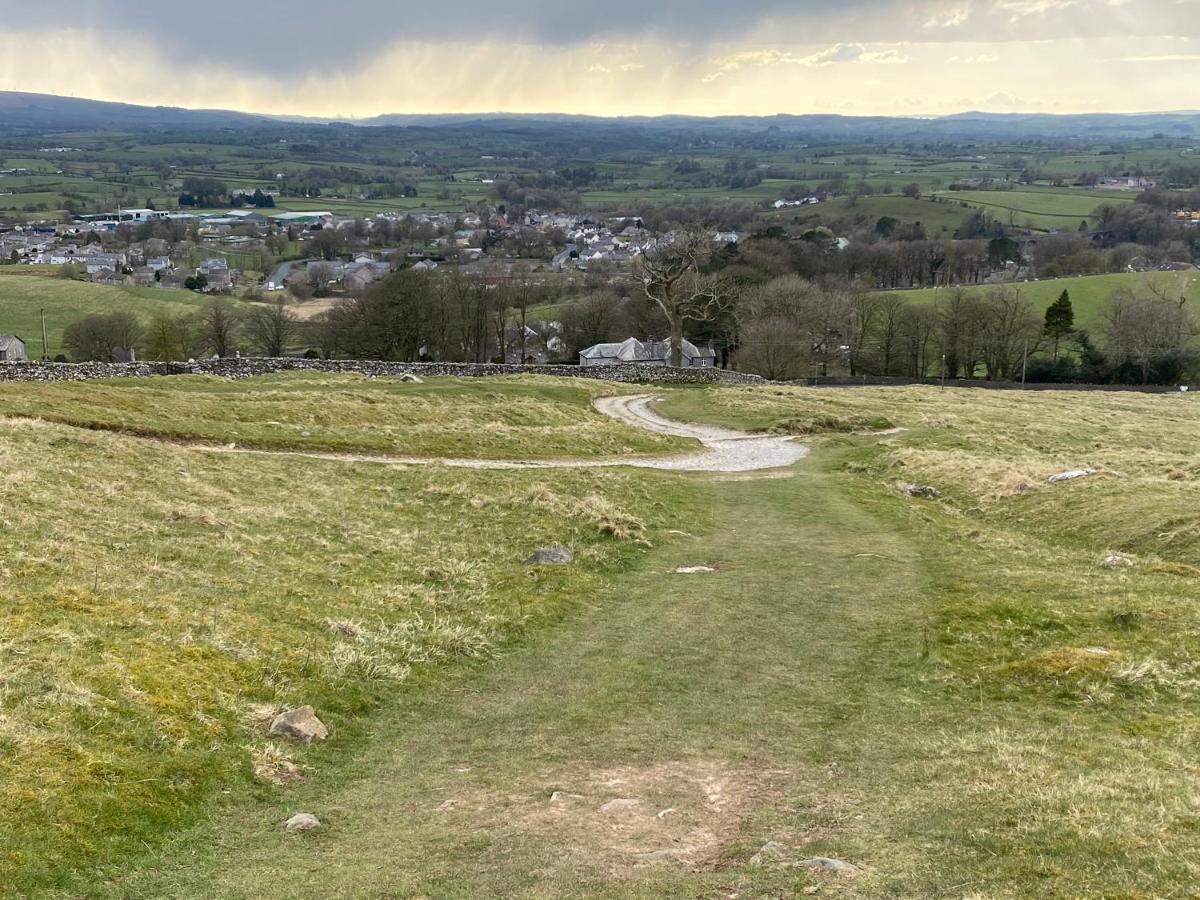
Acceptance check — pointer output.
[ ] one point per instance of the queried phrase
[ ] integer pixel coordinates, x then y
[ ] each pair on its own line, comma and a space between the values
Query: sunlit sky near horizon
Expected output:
358, 58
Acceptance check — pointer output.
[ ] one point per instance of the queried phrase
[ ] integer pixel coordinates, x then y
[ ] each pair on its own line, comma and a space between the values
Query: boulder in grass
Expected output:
1118, 561
410, 378
1073, 475
299, 725
830, 866
923, 491
302, 822
551, 556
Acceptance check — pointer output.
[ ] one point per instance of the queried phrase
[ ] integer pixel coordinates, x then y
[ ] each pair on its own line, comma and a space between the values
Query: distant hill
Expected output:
45, 112
41, 113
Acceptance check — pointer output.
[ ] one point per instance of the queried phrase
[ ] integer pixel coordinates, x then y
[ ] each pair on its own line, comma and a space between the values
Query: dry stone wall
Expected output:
247, 368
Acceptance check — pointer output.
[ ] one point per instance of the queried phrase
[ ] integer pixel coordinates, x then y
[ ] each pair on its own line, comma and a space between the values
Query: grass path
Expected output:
746, 702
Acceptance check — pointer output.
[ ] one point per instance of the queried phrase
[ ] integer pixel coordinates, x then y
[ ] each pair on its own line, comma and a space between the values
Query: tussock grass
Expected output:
514, 418
161, 604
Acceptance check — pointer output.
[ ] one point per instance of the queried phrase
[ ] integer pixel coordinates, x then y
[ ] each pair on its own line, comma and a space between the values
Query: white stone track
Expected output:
723, 450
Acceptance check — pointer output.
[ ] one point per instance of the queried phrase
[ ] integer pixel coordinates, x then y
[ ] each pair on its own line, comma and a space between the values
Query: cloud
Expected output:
366, 57
1165, 58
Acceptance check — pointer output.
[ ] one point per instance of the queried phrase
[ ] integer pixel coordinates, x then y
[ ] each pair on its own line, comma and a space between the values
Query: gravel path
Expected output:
723, 450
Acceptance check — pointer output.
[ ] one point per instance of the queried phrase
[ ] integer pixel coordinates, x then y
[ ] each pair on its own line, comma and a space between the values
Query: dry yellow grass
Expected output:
160, 601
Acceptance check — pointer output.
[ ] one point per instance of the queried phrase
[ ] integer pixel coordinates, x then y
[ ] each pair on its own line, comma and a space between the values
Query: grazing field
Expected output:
956, 695
161, 601
1040, 209
517, 418
1089, 293
23, 297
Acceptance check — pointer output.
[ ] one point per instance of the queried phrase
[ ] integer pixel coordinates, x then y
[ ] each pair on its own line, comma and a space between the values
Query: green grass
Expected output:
517, 418
1040, 208
953, 694
161, 600
1089, 293
22, 298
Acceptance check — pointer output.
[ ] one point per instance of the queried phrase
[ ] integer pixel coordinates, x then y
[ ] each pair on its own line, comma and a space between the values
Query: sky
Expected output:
360, 58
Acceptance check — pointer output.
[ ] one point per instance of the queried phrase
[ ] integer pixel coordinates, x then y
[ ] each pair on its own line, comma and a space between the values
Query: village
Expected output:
148, 248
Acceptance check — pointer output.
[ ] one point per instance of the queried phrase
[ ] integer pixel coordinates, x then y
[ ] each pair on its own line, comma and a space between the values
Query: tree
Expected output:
328, 244
103, 338
1143, 332
270, 329
166, 338
912, 191
217, 327
1060, 320
1009, 332
773, 347
671, 276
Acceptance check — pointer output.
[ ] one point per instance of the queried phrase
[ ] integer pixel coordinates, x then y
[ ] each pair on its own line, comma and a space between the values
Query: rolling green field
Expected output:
1088, 293
22, 298
954, 695
1043, 209
163, 600
520, 418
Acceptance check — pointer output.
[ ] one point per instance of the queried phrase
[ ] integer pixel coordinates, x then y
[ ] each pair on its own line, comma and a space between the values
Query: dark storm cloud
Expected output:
297, 34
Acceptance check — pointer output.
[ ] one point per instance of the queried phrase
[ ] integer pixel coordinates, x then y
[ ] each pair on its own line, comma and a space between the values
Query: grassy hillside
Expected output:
1088, 293
518, 418
1040, 208
953, 694
65, 302
161, 601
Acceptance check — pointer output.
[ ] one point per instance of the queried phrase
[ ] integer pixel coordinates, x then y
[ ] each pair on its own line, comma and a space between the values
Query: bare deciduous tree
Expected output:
270, 329
671, 276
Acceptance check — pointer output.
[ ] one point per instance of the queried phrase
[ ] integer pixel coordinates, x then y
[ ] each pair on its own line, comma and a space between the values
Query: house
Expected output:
110, 277
12, 349
649, 353
216, 270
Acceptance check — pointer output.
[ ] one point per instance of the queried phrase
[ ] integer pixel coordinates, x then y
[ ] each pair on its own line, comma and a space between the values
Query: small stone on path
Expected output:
551, 556
300, 725
302, 822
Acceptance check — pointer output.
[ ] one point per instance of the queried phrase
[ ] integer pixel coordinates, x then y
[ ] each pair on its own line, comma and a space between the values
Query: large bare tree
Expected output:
671, 276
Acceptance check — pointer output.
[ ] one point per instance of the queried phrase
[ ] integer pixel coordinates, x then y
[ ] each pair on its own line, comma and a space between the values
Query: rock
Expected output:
563, 797
302, 822
832, 866
1118, 561
923, 491
619, 806
410, 378
666, 812
769, 851
695, 570
1073, 475
551, 556
299, 725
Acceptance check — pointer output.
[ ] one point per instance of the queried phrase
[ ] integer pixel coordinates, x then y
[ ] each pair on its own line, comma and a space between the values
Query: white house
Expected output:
648, 353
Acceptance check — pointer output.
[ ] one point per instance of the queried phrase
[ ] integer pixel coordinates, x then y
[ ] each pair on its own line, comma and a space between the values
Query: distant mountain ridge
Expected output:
39, 113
